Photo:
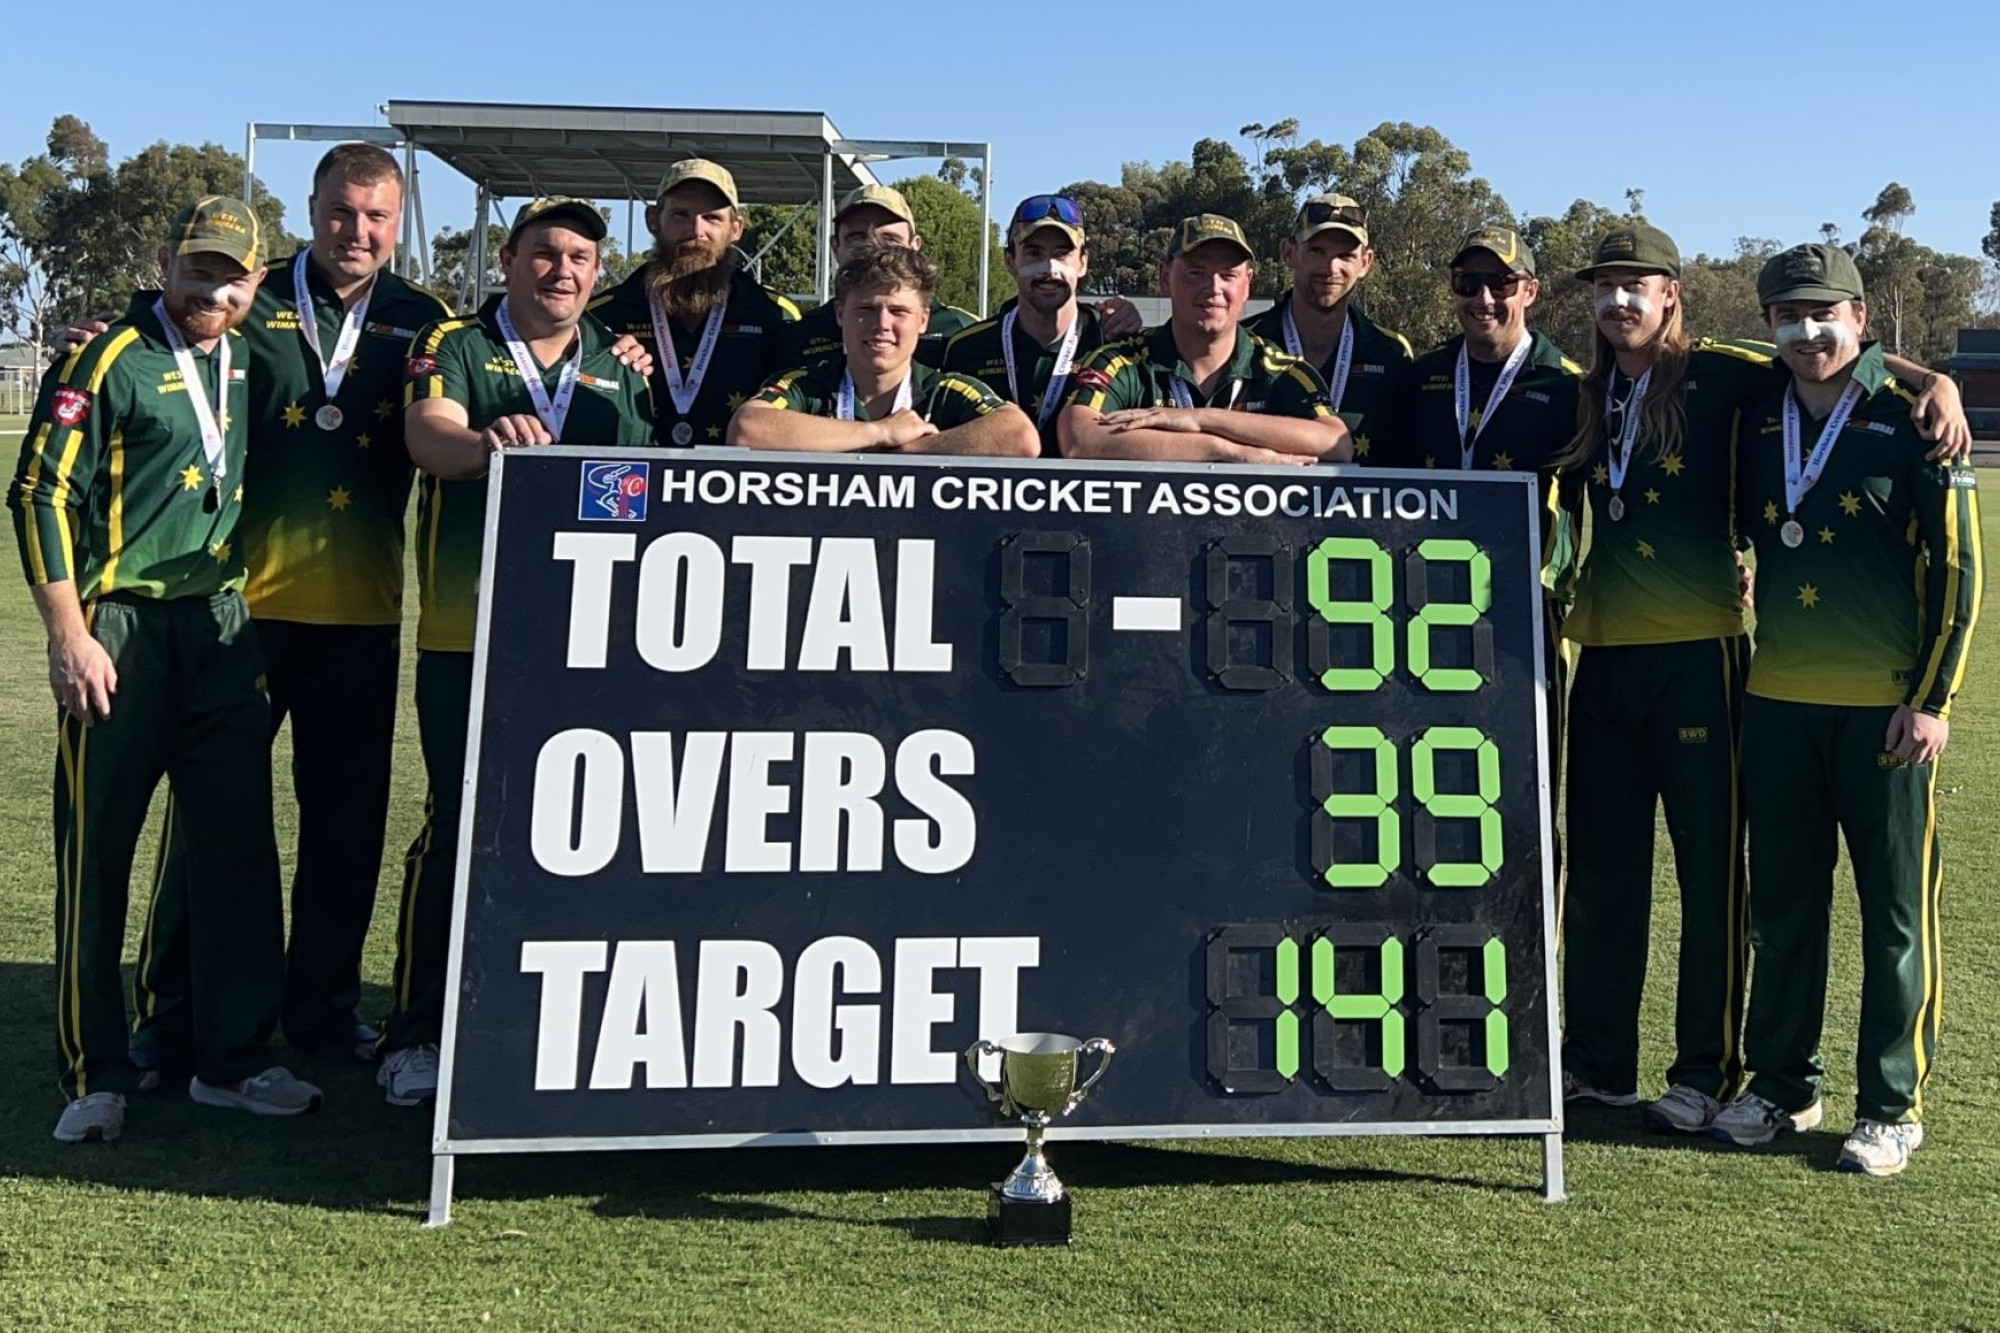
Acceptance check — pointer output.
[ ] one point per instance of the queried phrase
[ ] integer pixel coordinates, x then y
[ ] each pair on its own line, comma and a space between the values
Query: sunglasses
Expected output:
1502, 285
1319, 214
1041, 207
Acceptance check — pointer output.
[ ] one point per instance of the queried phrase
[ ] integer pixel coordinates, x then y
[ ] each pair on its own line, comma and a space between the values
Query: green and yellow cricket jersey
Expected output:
745, 356
113, 489
942, 397
1379, 357
322, 528
977, 351
1531, 428
816, 336
466, 360
1877, 605
1666, 571
1138, 372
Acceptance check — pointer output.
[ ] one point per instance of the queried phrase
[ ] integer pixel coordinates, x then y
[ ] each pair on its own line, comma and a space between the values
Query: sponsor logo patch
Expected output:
71, 406
1694, 735
614, 492
421, 366
1090, 377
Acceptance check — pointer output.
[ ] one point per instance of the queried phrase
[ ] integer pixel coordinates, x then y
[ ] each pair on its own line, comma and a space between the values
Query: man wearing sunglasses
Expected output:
869, 215
1328, 255
1201, 386
1029, 350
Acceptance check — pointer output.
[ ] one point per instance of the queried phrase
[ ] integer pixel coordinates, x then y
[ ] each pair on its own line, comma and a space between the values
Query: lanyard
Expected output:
553, 414
685, 391
1621, 453
1461, 393
204, 412
1058, 374
844, 407
333, 373
1343, 360
1183, 398
1799, 481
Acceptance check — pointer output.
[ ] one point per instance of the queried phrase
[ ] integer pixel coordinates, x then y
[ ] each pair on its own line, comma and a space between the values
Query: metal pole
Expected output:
475, 273
628, 228
249, 161
441, 1183
1554, 1189
985, 225
423, 236
823, 258
404, 265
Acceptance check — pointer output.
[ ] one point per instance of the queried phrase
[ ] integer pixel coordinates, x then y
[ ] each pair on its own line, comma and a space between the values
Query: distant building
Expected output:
1976, 367
20, 373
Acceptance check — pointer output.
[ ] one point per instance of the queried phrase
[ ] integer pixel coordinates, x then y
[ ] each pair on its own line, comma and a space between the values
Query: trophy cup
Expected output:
1037, 1085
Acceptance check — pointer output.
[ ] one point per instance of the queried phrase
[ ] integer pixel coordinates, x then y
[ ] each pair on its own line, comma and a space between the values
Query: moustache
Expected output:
1620, 299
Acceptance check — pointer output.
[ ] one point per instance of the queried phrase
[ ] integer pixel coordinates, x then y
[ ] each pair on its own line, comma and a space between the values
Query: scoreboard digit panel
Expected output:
792, 777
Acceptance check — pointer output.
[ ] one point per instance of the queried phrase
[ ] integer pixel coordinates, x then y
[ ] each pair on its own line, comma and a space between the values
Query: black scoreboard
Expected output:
791, 777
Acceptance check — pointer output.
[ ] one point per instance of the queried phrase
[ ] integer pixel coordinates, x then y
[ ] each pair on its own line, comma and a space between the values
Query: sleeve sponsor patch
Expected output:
71, 407
1090, 377
421, 366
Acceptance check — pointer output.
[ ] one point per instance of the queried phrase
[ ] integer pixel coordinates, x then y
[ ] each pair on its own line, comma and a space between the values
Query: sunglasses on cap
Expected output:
1318, 214
1502, 285
1042, 207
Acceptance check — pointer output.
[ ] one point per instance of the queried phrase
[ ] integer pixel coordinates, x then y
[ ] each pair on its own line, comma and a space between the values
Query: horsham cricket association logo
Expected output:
614, 492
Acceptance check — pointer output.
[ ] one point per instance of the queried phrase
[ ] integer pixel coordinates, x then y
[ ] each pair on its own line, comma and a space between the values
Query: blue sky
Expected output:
1736, 119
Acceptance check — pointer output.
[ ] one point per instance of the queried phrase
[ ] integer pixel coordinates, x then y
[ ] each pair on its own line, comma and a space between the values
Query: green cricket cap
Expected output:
1812, 272
1203, 228
699, 169
1330, 212
559, 208
876, 196
1503, 243
219, 225
1634, 245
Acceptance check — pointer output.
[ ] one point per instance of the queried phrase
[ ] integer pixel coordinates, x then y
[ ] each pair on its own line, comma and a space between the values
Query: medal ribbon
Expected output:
552, 413
332, 373
1799, 481
1058, 374
844, 406
684, 392
197, 391
1343, 360
1620, 455
1461, 394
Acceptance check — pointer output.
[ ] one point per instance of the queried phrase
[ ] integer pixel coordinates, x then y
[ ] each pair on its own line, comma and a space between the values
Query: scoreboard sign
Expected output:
790, 778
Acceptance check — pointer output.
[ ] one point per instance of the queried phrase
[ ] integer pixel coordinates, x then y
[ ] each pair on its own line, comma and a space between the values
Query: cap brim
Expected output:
590, 221
860, 204
1809, 292
728, 196
1075, 234
1587, 274
245, 255
1518, 267
1237, 246
1358, 233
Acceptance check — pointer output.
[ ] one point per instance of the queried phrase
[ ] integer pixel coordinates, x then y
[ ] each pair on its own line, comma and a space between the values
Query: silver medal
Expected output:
1617, 508
327, 418
1792, 534
683, 433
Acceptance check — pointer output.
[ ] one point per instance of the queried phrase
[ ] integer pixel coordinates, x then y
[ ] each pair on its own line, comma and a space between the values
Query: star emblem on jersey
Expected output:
1652, 496
338, 499
1601, 475
239, 494
715, 432
362, 441
1646, 550
1808, 596
383, 407
735, 400
1429, 461
1850, 503
190, 478
1826, 535
1770, 511
1361, 446
220, 551
1503, 463
1672, 465
295, 416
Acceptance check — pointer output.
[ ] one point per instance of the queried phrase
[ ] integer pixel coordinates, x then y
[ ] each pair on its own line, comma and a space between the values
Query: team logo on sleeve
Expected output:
614, 492
71, 406
1090, 377
421, 366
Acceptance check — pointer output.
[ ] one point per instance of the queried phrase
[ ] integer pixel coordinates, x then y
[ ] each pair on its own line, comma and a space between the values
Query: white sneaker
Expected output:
1750, 1120
97, 1118
273, 1092
1576, 1090
1681, 1110
1875, 1146
409, 1077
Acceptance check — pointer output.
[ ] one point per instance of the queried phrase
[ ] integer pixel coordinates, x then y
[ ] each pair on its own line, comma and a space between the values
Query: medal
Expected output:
1343, 360
1616, 508
1461, 385
843, 406
553, 412
1619, 458
1792, 534
1801, 477
683, 433
685, 391
197, 392
327, 418
333, 373
1058, 373
1183, 398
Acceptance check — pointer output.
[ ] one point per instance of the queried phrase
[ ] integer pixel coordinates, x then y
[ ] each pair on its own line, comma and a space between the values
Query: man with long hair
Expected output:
1658, 696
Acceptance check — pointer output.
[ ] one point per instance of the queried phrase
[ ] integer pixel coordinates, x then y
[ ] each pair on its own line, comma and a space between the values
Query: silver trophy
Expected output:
1038, 1084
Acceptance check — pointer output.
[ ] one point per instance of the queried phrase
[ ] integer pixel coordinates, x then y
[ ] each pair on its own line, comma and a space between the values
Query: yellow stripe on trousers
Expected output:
1927, 1011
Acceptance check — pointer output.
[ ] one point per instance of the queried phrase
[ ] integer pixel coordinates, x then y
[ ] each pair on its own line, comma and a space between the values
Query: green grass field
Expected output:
206, 1219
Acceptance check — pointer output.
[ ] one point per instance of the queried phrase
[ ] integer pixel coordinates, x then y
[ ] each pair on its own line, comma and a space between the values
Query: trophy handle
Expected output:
1104, 1050
973, 1054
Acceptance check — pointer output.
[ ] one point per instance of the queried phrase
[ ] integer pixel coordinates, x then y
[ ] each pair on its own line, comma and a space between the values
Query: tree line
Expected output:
79, 234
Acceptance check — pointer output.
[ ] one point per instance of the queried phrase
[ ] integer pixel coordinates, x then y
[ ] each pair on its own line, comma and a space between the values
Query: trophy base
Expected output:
1015, 1223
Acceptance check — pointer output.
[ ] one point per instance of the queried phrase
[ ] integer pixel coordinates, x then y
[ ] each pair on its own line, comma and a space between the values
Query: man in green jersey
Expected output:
326, 483
1660, 634
1029, 351
1870, 577
715, 332
875, 396
870, 215
532, 367
1201, 386
126, 506
1329, 256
